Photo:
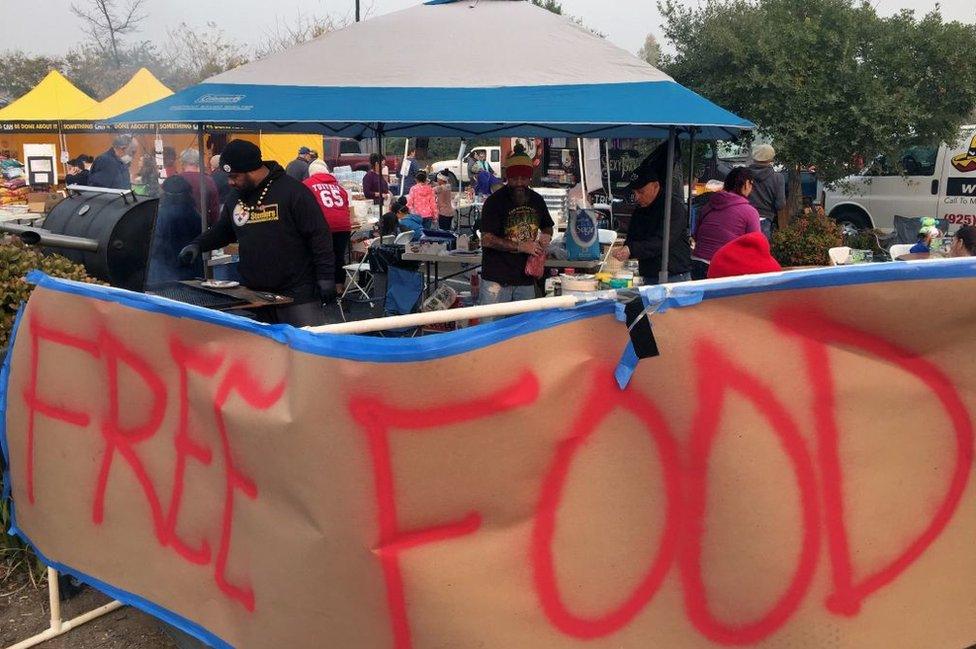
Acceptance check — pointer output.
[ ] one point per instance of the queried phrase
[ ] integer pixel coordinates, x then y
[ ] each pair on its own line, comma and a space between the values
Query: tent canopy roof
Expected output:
140, 90
53, 99
493, 67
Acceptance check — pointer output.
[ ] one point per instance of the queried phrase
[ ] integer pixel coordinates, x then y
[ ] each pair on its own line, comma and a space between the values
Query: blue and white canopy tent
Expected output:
471, 68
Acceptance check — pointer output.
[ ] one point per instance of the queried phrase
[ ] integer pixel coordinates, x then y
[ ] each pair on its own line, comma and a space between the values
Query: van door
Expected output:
495, 160
957, 196
908, 187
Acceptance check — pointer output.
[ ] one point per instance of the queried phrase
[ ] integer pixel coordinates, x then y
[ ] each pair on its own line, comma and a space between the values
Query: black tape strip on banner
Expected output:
641, 334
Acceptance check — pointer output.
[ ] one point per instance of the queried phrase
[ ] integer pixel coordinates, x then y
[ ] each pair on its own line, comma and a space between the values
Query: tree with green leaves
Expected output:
549, 5
557, 8
650, 51
23, 71
829, 81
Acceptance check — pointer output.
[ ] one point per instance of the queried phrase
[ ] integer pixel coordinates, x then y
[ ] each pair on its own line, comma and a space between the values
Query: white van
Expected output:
927, 181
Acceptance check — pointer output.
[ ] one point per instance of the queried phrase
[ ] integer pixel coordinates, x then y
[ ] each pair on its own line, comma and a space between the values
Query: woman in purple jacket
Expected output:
375, 187
727, 216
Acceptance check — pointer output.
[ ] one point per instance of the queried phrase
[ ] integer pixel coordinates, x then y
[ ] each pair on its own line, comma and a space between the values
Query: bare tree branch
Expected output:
107, 24
305, 28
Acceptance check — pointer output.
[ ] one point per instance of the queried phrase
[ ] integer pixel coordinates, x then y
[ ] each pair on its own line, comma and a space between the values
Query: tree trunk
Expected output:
115, 52
794, 198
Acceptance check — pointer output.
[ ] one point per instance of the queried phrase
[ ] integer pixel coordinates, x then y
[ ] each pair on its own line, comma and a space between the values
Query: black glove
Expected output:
189, 254
327, 289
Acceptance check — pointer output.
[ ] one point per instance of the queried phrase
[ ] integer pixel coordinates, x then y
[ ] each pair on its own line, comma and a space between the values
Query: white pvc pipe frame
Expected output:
452, 315
59, 627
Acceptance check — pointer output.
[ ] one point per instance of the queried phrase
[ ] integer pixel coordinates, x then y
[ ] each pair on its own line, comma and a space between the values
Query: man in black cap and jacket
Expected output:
285, 244
645, 236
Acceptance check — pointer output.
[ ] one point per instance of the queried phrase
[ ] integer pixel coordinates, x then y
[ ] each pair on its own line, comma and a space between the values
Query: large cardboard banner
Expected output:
793, 470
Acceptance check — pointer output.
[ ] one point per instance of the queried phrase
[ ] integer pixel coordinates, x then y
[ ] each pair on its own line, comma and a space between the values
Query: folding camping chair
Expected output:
404, 291
403, 238
361, 276
899, 249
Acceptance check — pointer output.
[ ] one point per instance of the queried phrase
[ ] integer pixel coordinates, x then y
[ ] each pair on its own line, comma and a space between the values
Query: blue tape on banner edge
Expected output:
342, 346
626, 367
690, 298
962, 268
628, 360
4, 380
620, 312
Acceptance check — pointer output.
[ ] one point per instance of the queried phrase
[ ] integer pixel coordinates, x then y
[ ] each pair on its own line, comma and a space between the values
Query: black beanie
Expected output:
240, 157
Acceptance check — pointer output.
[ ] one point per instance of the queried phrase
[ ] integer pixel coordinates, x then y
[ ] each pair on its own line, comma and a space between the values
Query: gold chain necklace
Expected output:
251, 208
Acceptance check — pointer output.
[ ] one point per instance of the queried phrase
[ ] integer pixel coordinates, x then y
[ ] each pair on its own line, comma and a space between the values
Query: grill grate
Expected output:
197, 296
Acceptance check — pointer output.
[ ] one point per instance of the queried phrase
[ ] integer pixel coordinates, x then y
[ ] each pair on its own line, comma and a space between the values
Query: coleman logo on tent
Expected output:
220, 99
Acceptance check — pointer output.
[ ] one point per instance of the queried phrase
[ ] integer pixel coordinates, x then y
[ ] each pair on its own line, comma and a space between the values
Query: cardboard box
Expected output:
42, 202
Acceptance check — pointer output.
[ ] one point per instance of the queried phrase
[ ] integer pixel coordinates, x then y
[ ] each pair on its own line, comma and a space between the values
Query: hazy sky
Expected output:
47, 26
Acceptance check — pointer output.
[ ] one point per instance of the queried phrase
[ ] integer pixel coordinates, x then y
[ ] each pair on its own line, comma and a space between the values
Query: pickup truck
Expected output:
493, 157
342, 152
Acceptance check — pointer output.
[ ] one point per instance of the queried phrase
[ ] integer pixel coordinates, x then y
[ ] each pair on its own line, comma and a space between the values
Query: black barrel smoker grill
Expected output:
108, 231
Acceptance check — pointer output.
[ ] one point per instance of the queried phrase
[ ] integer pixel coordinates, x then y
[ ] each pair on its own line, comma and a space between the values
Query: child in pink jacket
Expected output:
422, 201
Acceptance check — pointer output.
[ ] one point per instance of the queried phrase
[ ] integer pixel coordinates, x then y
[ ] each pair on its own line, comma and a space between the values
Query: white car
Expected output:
926, 181
493, 157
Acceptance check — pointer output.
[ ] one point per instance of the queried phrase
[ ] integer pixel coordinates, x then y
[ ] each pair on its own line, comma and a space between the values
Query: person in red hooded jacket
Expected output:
334, 201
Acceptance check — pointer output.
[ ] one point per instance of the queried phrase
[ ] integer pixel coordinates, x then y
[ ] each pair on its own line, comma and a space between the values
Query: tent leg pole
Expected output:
668, 190
63, 141
406, 152
613, 224
582, 167
379, 149
460, 174
691, 172
207, 271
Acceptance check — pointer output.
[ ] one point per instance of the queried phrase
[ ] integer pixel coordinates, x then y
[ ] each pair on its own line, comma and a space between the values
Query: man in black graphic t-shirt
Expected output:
515, 224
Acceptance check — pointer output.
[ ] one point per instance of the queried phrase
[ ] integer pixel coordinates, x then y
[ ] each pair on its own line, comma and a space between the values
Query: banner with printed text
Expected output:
793, 470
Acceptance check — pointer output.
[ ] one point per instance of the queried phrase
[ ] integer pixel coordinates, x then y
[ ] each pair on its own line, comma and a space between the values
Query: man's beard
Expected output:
520, 195
246, 186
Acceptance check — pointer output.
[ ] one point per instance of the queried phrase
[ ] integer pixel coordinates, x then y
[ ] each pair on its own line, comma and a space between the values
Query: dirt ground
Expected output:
24, 612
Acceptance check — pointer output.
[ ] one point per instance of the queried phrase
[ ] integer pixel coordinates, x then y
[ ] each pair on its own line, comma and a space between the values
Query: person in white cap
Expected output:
769, 187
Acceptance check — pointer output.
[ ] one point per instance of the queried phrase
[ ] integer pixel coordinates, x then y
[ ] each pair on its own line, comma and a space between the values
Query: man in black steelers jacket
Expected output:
285, 244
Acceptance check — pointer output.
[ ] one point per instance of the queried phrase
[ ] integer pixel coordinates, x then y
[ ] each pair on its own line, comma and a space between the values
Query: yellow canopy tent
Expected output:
140, 90
283, 147
37, 116
54, 99
55, 112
